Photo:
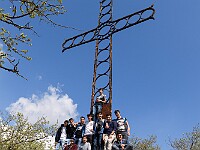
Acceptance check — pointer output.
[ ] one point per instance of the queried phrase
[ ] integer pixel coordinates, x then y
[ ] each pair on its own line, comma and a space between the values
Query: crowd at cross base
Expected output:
95, 133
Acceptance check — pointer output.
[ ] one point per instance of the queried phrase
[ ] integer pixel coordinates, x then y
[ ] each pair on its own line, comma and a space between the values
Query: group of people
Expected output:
96, 133
102, 134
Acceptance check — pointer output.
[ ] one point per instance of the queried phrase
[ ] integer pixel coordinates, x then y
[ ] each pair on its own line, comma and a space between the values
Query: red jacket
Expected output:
71, 147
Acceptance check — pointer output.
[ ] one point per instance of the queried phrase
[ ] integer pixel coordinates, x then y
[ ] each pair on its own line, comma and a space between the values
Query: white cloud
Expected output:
39, 77
52, 104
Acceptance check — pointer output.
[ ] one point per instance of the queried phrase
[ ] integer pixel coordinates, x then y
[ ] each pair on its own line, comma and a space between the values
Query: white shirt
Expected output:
63, 133
89, 128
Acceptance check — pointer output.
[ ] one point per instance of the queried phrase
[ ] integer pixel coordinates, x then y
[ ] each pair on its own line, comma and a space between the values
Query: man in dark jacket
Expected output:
121, 144
61, 135
71, 128
80, 131
99, 131
110, 128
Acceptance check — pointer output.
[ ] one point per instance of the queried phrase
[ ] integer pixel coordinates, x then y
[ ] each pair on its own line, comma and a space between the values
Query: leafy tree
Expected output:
19, 17
144, 144
16, 133
189, 141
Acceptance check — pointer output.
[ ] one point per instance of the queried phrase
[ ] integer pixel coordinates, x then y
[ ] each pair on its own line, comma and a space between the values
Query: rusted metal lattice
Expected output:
102, 34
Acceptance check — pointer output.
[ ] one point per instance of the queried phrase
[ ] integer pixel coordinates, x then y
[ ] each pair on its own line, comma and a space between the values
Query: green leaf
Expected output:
3, 30
28, 58
14, 10
60, 1
24, 51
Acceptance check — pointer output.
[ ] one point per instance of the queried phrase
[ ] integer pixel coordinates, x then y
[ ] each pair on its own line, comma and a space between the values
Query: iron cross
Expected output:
102, 34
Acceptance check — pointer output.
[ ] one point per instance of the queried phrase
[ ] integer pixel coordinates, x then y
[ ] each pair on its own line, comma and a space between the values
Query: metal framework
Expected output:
102, 34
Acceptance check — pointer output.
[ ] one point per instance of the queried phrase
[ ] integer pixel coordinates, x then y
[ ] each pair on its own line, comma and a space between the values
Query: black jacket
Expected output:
58, 133
70, 131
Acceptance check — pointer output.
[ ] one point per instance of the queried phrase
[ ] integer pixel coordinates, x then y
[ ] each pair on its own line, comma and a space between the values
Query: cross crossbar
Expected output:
93, 34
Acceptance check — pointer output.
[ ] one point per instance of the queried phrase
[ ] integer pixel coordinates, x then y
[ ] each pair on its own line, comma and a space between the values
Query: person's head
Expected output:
71, 141
89, 116
84, 139
119, 136
101, 90
109, 117
99, 115
71, 120
117, 113
66, 123
82, 120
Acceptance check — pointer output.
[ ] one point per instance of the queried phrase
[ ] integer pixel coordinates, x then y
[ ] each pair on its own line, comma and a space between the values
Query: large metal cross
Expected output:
102, 34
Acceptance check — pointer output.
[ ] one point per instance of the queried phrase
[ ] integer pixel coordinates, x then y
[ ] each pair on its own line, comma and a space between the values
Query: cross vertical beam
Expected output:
102, 75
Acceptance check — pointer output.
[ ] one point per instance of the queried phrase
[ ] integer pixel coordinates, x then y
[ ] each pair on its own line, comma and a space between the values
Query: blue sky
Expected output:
155, 68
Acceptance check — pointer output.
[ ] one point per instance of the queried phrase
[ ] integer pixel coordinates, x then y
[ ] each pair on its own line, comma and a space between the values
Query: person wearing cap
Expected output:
71, 146
122, 125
